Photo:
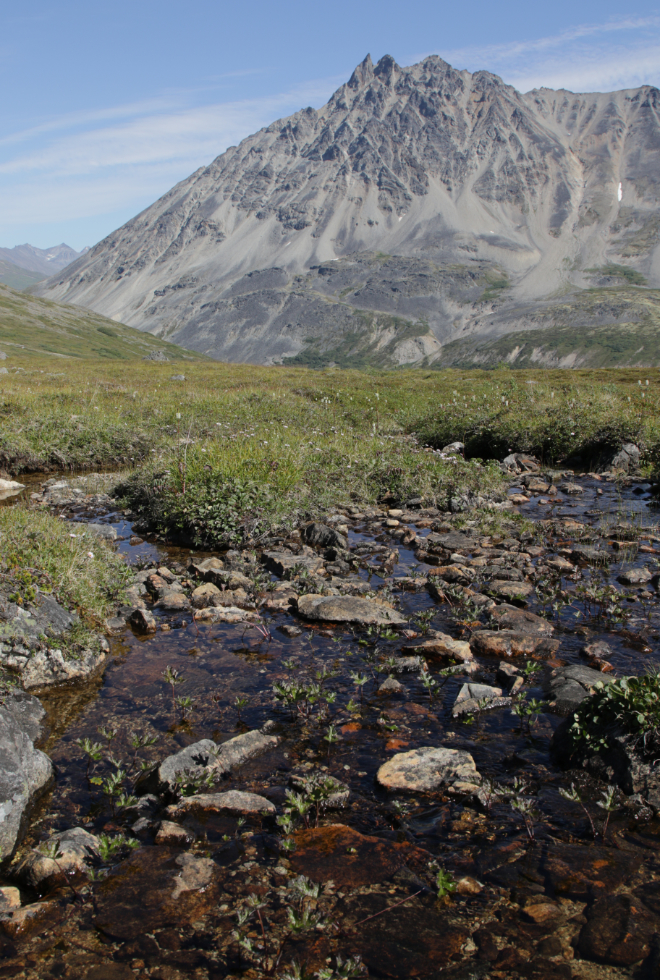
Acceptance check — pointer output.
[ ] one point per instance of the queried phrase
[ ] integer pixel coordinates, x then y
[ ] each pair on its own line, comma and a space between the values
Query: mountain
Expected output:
419, 207
44, 261
31, 326
13, 275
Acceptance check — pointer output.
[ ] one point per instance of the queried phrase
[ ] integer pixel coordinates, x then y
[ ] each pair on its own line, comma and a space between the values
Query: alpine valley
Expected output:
423, 216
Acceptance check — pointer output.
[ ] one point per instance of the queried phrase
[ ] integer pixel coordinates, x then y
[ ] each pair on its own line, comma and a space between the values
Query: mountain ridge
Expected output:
483, 201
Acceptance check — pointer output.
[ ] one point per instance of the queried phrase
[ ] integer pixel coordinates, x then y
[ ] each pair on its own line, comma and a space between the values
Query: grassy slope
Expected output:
16, 277
599, 328
30, 325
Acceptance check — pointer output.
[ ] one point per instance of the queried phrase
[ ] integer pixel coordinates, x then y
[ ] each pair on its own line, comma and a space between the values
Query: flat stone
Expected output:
202, 595
406, 665
25, 772
427, 768
635, 576
348, 609
233, 803
456, 573
442, 645
348, 858
450, 542
224, 614
510, 590
571, 488
201, 568
542, 914
155, 888
510, 643
48, 668
76, 850
520, 620
19, 923
591, 556
559, 564
204, 756
105, 531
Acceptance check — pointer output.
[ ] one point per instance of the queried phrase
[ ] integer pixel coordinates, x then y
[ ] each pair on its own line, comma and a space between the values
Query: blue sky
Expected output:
106, 106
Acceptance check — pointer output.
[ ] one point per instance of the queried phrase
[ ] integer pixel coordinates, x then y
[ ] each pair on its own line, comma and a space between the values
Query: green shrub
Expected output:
629, 705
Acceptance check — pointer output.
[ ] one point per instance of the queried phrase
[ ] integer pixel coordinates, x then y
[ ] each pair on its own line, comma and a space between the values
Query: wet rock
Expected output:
571, 488
428, 768
559, 564
453, 541
596, 654
288, 566
348, 858
405, 665
143, 621
543, 913
468, 886
155, 888
510, 590
510, 643
535, 484
19, 923
619, 931
510, 677
234, 803
170, 834
579, 873
25, 772
203, 757
10, 898
323, 536
224, 614
442, 645
391, 686
289, 630
174, 602
202, 595
567, 687
520, 620
348, 609
627, 459
47, 668
456, 574
588, 555
477, 697
63, 853
202, 568
635, 576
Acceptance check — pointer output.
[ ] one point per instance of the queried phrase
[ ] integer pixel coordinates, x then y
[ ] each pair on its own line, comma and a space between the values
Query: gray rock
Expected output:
521, 620
25, 772
143, 621
71, 850
203, 757
178, 377
47, 668
477, 697
287, 566
104, 531
348, 609
233, 803
427, 769
591, 556
571, 488
627, 459
323, 536
567, 687
156, 355
454, 449
391, 686
511, 643
520, 463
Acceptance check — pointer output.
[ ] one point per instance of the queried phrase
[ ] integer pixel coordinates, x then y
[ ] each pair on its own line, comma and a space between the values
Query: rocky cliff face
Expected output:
419, 206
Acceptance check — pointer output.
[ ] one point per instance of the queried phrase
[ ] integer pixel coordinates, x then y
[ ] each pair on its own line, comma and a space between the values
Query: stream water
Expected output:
525, 905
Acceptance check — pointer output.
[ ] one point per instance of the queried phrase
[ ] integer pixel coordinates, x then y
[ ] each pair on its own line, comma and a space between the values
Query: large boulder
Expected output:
567, 687
512, 643
25, 772
348, 609
627, 459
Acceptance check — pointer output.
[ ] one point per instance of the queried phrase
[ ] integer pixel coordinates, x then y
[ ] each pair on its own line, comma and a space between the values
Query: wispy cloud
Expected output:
125, 156
588, 57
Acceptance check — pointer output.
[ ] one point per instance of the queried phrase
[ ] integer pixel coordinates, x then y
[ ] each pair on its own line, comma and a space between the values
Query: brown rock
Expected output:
543, 914
468, 886
510, 590
349, 858
203, 593
428, 768
348, 609
233, 803
174, 602
510, 643
441, 645
619, 931
172, 835
19, 923
143, 621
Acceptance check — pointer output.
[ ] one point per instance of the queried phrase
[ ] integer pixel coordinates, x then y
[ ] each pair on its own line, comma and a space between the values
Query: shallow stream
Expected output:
524, 906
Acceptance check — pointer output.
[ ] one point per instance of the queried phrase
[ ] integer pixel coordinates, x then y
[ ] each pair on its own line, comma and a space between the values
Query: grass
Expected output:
32, 326
82, 572
236, 448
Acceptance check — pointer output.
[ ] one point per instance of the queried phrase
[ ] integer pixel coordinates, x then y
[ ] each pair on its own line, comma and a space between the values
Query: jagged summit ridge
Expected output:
448, 169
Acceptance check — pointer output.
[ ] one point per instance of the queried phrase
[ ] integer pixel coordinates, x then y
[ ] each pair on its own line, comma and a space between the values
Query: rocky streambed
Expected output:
338, 750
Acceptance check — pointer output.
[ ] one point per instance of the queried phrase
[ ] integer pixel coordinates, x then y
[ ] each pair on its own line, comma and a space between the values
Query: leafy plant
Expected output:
628, 705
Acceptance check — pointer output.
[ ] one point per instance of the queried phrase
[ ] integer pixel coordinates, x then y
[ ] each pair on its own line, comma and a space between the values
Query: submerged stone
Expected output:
427, 768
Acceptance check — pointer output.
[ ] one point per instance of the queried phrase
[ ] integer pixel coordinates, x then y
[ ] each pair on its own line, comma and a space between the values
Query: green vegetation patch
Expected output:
628, 705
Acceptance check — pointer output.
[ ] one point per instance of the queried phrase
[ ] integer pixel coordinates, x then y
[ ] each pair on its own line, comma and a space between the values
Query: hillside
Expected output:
16, 277
418, 207
30, 325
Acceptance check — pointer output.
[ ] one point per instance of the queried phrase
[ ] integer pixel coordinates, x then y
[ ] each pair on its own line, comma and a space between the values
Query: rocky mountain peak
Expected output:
457, 179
